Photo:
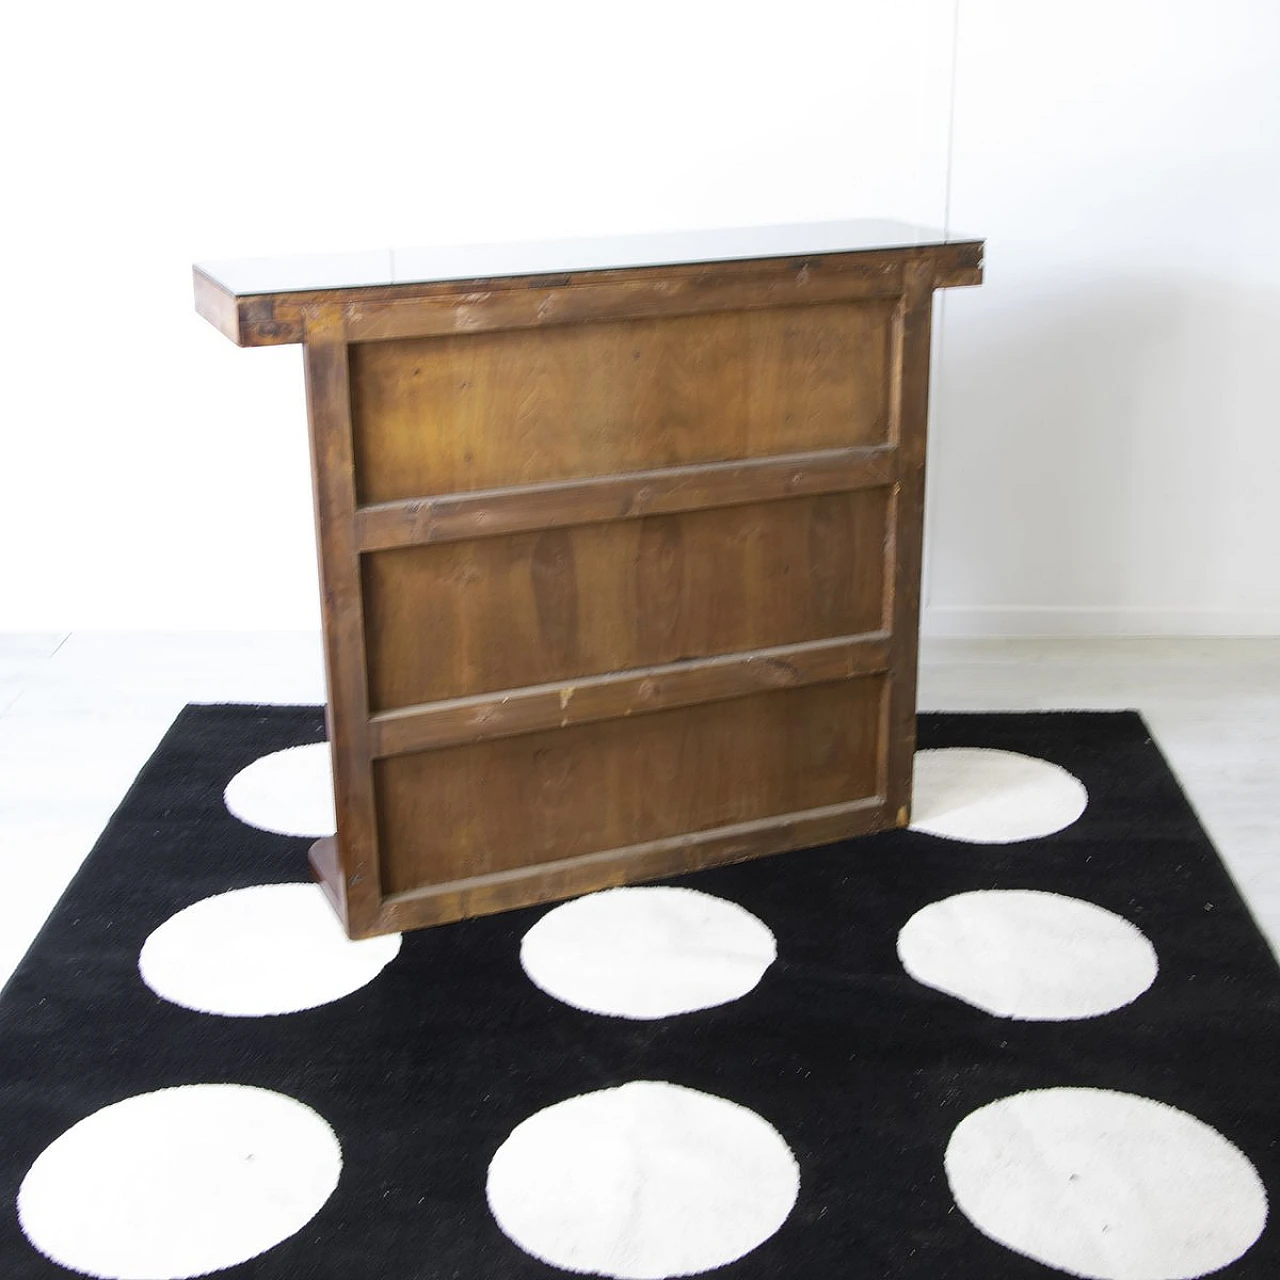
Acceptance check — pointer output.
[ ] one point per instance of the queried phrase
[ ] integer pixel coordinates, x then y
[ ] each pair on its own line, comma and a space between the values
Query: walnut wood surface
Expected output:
594, 499
586, 788
623, 594
905, 545
356, 892
439, 903
446, 415
506, 712
620, 569
269, 319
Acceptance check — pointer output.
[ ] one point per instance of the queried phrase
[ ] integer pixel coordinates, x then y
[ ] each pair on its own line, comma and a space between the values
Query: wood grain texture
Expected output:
503, 714
486, 513
274, 318
620, 569
351, 878
913, 326
498, 613
448, 415
692, 851
633, 299
543, 797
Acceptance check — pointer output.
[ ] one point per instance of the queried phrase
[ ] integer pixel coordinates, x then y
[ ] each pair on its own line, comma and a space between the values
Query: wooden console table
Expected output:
619, 549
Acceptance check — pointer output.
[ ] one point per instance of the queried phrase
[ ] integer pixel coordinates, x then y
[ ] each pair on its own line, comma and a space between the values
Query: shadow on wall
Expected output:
1106, 443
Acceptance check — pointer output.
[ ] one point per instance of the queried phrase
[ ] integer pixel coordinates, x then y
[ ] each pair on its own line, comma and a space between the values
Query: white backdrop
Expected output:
1104, 434
1107, 436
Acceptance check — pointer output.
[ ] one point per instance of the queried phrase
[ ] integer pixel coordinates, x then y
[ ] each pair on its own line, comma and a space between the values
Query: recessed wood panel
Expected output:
476, 411
496, 613
542, 797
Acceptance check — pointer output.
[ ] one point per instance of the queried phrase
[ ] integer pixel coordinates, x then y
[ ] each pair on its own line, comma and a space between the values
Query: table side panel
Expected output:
912, 329
350, 876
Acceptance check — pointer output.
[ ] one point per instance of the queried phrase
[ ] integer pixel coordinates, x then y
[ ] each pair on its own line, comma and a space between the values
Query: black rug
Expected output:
862, 1071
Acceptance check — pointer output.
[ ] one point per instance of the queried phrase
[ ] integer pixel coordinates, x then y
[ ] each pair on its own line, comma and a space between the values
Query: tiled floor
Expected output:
80, 713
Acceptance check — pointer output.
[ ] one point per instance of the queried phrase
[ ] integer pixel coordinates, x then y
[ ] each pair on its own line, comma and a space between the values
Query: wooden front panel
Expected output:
545, 797
480, 411
497, 613
620, 579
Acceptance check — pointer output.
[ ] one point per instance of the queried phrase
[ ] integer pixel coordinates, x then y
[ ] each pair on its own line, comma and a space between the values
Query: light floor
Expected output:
80, 714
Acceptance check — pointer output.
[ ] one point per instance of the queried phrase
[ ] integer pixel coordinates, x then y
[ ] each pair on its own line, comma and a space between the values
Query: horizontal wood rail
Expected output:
673, 855
510, 712
485, 513
635, 299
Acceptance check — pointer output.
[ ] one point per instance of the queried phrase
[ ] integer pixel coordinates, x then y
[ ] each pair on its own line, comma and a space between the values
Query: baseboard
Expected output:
1088, 620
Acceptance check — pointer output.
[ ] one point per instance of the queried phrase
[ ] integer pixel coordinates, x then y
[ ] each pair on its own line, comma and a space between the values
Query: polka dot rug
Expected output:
1035, 1035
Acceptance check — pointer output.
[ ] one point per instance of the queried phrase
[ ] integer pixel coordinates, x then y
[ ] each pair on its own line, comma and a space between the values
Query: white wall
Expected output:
1106, 438
1103, 441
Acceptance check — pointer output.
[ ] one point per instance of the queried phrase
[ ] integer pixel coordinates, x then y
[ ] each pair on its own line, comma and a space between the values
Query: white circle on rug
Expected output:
984, 796
642, 1181
268, 949
289, 792
1108, 1186
1023, 953
647, 952
180, 1182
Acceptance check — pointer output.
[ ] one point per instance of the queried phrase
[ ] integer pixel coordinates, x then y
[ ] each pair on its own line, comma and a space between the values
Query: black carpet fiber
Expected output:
865, 1073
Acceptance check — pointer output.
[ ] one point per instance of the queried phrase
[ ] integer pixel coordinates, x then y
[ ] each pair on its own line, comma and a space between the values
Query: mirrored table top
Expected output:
245, 277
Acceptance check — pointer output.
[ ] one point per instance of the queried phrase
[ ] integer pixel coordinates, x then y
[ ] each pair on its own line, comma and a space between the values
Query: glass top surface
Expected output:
305, 272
